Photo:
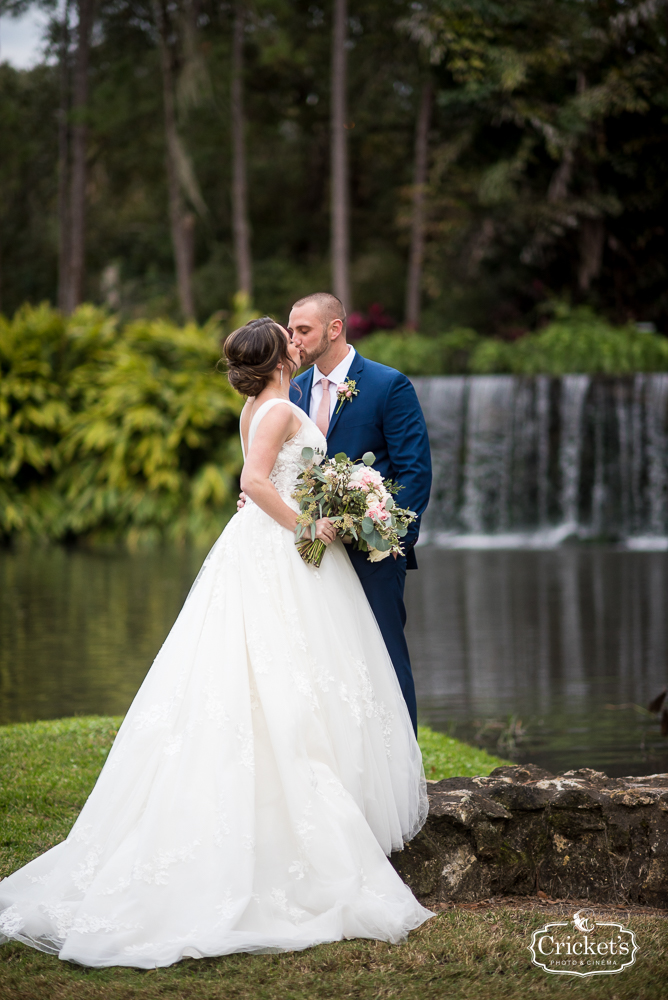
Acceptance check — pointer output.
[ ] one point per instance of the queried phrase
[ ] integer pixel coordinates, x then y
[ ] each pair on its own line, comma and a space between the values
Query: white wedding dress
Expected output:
262, 774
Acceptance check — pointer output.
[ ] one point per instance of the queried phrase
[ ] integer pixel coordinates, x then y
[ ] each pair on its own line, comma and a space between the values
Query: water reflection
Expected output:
551, 638
78, 631
559, 639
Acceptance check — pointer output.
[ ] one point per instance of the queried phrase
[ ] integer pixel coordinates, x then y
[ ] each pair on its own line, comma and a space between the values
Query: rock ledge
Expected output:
522, 830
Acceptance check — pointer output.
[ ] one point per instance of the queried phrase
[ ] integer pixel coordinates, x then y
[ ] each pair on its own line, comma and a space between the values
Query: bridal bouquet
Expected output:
354, 495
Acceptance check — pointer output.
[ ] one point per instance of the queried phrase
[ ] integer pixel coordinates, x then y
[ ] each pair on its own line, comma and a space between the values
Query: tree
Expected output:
73, 292
542, 188
182, 222
240, 223
339, 159
64, 161
548, 157
414, 282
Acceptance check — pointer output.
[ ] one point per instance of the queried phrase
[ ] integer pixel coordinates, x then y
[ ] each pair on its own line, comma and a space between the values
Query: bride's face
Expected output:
293, 352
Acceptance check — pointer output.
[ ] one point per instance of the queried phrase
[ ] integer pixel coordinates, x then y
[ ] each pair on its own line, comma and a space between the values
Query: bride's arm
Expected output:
274, 430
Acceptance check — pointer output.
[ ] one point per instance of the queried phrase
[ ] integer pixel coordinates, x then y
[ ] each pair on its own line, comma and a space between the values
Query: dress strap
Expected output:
262, 412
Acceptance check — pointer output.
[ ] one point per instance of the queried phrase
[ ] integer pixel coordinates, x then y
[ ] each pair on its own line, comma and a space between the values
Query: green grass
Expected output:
446, 757
459, 955
46, 772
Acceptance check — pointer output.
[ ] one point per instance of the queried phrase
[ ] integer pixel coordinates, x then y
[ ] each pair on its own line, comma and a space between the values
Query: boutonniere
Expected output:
345, 392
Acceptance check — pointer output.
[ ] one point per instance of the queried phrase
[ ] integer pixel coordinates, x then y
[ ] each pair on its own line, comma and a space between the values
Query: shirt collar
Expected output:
338, 374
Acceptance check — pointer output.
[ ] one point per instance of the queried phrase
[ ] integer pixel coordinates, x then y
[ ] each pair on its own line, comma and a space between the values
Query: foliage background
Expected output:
112, 431
128, 431
548, 159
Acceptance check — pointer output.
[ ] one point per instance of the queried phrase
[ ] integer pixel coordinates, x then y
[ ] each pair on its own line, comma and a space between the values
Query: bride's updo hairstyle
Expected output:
252, 354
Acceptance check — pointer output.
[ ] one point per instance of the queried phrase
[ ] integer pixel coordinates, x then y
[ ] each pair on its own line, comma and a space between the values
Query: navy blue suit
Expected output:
384, 418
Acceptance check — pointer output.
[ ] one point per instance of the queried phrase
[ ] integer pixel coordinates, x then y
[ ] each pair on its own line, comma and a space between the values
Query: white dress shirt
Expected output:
335, 377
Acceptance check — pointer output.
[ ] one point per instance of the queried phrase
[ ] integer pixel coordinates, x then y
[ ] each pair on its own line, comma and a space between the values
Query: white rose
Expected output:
375, 555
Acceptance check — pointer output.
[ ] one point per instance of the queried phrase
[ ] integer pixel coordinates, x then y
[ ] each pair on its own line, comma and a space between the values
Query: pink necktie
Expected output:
322, 416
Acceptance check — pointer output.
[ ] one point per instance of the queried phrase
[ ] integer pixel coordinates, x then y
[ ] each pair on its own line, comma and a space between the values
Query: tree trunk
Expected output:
592, 240
63, 163
181, 223
414, 283
340, 197
240, 224
77, 210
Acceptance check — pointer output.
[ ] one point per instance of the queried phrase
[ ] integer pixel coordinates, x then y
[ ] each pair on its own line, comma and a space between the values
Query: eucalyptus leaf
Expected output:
367, 525
382, 544
402, 532
307, 454
341, 457
368, 458
389, 504
313, 532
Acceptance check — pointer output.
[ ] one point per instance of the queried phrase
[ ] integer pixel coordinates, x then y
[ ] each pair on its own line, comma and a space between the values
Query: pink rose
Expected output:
342, 387
349, 394
377, 511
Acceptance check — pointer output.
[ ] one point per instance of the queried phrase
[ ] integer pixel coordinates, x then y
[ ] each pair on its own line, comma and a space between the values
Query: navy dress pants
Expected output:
383, 584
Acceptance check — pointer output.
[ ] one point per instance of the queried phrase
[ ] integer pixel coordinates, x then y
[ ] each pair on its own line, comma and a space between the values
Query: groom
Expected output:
384, 417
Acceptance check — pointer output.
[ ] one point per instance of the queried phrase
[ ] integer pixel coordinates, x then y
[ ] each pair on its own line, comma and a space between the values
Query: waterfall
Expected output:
573, 392
536, 460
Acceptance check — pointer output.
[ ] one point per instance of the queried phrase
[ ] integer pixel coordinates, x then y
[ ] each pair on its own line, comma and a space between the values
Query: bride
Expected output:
266, 766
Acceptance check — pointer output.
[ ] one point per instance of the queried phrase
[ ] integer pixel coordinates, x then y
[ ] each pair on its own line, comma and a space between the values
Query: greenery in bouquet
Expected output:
357, 498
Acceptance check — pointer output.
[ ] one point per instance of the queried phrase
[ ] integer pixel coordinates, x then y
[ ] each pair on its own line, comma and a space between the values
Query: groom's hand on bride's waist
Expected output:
241, 501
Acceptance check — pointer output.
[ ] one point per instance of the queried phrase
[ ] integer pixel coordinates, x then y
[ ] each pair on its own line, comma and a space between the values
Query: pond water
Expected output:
548, 657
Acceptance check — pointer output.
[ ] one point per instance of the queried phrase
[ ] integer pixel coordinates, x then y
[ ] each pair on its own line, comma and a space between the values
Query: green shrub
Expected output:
581, 342
114, 433
575, 341
414, 354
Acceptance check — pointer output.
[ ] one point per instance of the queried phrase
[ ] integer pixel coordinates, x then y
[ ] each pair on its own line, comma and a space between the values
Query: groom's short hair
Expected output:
329, 307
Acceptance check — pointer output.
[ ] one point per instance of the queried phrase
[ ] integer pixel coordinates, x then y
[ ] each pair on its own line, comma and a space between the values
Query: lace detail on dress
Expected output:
293, 913
11, 921
83, 923
84, 875
289, 462
155, 871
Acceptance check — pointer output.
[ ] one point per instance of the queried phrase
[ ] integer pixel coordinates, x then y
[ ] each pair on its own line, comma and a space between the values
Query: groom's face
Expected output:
309, 332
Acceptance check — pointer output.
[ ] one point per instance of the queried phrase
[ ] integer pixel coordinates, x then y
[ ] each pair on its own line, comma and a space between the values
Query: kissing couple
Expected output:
268, 764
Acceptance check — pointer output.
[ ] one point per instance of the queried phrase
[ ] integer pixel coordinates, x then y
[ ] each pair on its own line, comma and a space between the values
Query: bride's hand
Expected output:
325, 530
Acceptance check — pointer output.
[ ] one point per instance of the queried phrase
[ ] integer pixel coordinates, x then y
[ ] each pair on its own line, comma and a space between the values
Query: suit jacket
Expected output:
385, 418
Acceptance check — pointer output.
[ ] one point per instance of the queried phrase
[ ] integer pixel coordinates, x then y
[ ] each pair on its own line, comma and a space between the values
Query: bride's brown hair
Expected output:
252, 354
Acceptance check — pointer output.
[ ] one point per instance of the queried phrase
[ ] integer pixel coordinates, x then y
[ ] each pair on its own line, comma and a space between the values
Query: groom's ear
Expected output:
336, 330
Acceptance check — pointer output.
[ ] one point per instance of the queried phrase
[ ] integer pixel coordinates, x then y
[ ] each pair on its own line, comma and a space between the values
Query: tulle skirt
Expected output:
264, 771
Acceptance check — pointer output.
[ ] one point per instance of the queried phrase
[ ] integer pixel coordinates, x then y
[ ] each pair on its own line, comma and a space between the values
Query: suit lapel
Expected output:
354, 373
